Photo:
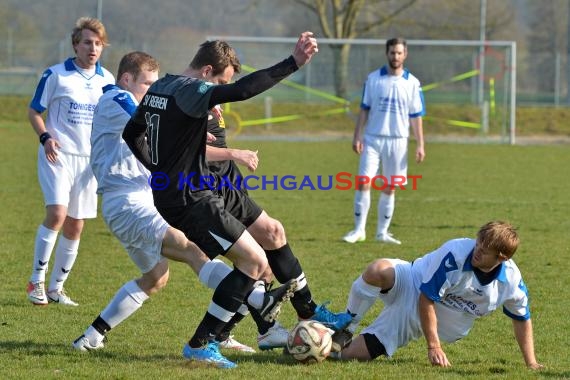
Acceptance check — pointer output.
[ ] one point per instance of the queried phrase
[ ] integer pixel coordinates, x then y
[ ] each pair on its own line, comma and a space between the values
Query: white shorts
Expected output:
134, 220
392, 152
69, 182
399, 321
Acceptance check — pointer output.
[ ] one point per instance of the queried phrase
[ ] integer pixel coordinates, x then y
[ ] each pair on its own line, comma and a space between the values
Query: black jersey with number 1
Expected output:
174, 115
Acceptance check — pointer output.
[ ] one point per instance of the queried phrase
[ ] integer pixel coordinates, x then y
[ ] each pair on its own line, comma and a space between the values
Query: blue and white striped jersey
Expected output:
70, 96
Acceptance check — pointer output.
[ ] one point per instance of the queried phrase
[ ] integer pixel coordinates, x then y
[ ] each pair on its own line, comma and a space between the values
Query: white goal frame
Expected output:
511, 47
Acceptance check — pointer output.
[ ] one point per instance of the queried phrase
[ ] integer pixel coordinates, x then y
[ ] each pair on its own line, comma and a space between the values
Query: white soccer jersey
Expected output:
446, 277
70, 98
113, 163
392, 101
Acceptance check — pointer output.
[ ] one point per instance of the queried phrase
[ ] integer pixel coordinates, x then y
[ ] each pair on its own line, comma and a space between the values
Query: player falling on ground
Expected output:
439, 296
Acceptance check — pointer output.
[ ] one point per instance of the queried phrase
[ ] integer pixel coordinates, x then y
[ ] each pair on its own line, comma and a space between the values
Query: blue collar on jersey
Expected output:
502, 276
69, 66
384, 71
110, 87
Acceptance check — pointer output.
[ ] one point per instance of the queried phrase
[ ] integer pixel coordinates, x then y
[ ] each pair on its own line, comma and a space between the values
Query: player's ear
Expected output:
502, 257
207, 71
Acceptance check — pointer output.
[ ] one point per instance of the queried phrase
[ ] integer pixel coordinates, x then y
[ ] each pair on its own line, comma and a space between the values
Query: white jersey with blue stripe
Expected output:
70, 98
113, 163
446, 276
391, 101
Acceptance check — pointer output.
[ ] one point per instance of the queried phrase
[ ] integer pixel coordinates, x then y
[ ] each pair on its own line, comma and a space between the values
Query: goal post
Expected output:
470, 86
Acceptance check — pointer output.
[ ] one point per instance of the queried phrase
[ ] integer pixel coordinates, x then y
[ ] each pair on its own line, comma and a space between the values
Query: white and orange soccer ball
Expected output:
309, 342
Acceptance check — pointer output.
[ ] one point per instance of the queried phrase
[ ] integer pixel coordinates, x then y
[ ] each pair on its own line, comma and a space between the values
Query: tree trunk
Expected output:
341, 54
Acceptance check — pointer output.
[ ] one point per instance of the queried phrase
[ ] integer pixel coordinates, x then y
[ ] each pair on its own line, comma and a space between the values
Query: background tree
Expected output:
349, 19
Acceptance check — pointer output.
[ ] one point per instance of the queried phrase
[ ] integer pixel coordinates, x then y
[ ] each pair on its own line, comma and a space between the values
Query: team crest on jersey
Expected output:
204, 87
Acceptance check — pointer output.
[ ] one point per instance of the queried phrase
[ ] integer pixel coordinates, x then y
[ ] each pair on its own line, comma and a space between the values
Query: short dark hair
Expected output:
218, 54
135, 62
396, 41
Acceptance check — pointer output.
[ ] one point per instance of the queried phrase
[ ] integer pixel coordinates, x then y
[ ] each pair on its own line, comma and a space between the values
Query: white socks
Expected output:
361, 207
361, 298
255, 298
127, 300
65, 255
213, 272
45, 241
385, 212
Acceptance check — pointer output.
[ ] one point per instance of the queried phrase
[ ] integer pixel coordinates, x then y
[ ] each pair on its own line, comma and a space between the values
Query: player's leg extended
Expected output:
286, 267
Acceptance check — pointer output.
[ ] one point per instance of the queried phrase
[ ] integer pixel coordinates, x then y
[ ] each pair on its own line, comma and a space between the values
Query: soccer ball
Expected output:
309, 342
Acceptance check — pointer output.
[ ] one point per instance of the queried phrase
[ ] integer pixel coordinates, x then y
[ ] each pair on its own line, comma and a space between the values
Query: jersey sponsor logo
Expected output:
155, 101
458, 302
82, 106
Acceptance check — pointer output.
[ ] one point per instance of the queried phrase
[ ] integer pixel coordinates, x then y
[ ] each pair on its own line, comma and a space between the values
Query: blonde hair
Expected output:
499, 236
94, 25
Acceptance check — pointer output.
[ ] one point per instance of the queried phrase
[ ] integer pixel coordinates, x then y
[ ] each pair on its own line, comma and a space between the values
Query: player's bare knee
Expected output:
275, 235
379, 273
55, 217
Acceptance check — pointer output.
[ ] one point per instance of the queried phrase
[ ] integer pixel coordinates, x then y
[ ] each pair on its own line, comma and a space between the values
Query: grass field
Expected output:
462, 187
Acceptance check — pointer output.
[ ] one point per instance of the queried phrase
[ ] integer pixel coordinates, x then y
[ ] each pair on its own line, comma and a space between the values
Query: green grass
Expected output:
462, 187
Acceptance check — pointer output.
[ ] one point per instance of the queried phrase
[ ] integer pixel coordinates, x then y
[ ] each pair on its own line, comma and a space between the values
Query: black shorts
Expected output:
206, 222
240, 205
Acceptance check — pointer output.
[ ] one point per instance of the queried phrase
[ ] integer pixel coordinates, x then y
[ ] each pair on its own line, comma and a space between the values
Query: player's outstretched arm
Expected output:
243, 157
524, 336
262, 80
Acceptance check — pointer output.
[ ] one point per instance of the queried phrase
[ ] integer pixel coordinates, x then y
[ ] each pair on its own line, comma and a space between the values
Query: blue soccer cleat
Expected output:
209, 353
335, 321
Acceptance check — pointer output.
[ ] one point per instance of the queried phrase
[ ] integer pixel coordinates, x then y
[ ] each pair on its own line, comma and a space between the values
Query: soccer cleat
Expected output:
335, 321
209, 353
341, 339
275, 337
83, 344
273, 299
233, 344
59, 296
37, 293
387, 238
354, 236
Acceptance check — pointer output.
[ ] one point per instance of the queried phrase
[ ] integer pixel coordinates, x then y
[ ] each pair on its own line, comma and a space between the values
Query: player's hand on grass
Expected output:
305, 48
437, 357
51, 146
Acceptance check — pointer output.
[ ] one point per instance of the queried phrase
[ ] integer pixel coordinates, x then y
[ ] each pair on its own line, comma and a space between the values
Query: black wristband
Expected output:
44, 137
